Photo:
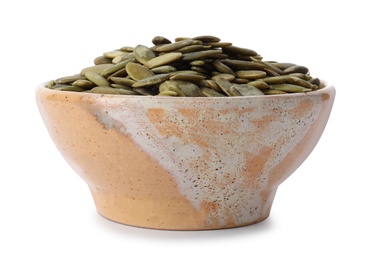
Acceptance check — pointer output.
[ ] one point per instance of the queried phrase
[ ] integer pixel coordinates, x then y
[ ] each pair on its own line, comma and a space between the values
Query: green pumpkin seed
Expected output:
112, 54
207, 38
238, 50
69, 79
143, 54
122, 81
97, 68
163, 69
260, 84
273, 92
109, 71
208, 92
157, 40
291, 88
246, 90
174, 46
83, 83
199, 55
296, 69
65, 87
224, 84
163, 59
250, 74
169, 93
151, 80
97, 79
110, 90
221, 67
188, 77
138, 71
102, 60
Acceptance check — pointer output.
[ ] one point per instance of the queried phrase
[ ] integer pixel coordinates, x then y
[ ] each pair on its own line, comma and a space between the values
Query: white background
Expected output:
46, 210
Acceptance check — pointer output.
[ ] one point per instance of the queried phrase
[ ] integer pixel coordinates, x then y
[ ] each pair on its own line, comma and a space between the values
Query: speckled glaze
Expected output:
184, 163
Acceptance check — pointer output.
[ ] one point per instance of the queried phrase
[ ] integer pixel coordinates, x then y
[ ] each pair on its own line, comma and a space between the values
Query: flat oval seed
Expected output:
243, 65
64, 87
258, 84
221, 67
208, 92
199, 55
289, 88
207, 38
151, 80
193, 48
83, 83
169, 93
296, 69
239, 50
224, 84
283, 65
112, 54
97, 79
138, 71
110, 90
273, 92
171, 85
247, 90
143, 54
97, 68
160, 40
188, 77
109, 71
174, 46
69, 79
250, 74
163, 69
122, 81
163, 59
189, 89
102, 60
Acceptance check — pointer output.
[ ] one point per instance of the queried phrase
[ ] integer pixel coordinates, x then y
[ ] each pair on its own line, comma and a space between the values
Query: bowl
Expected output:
184, 163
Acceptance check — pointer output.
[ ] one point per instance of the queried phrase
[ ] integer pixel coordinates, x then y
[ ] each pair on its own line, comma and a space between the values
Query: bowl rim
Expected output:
327, 87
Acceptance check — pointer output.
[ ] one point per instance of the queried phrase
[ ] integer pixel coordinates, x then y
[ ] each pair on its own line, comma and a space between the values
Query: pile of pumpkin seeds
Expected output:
202, 66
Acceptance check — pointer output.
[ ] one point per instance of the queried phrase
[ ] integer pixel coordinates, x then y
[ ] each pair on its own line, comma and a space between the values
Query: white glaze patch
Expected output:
210, 166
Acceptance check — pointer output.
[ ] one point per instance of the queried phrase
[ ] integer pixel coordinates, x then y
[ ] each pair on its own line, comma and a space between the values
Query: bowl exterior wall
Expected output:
184, 163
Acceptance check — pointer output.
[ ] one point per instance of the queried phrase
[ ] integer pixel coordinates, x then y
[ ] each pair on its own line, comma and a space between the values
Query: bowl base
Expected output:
164, 213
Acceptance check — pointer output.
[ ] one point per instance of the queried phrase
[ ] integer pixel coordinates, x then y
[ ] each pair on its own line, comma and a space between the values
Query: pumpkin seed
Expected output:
208, 92
69, 79
65, 87
122, 81
163, 69
143, 54
291, 88
151, 80
169, 93
96, 78
97, 68
246, 90
296, 69
174, 46
160, 40
224, 84
138, 71
163, 59
250, 74
110, 90
83, 83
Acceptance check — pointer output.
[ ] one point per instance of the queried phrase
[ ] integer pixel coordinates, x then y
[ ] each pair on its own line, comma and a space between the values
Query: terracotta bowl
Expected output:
184, 163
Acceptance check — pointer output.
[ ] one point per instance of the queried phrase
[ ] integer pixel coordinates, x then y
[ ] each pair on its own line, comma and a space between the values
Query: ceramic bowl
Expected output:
184, 163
